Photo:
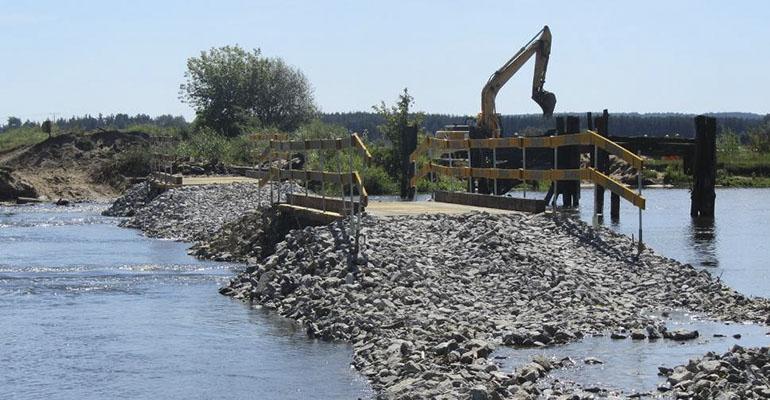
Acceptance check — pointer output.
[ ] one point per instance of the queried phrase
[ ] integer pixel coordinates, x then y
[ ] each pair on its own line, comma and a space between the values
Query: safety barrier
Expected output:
590, 138
451, 142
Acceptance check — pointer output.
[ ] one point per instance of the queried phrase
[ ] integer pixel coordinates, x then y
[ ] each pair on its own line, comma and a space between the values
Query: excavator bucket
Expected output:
547, 101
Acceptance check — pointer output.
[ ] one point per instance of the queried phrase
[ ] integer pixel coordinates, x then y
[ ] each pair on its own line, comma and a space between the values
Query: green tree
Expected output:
46, 127
13, 123
397, 117
759, 137
232, 90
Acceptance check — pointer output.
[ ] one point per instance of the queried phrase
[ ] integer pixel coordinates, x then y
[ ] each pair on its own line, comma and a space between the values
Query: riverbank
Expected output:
431, 297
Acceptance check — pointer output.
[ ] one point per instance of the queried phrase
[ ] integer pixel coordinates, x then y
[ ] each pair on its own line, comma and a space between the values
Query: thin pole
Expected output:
524, 166
494, 165
596, 186
555, 182
470, 176
350, 179
323, 182
270, 170
304, 167
339, 173
291, 177
639, 189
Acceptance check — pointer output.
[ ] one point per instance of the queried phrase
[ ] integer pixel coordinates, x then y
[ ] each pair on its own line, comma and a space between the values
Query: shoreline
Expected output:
423, 321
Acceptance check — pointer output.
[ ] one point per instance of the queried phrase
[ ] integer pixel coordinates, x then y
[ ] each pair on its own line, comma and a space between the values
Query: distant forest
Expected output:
112, 121
621, 124
624, 124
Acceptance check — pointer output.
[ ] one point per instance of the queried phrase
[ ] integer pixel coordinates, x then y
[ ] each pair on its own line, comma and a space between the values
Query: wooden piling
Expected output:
408, 145
571, 197
614, 206
602, 161
704, 168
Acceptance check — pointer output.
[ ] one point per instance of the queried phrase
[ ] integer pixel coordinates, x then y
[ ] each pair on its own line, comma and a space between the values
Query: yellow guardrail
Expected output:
581, 174
588, 138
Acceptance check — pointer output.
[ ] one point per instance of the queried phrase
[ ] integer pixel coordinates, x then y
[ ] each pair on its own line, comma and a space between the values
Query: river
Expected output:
733, 245
89, 310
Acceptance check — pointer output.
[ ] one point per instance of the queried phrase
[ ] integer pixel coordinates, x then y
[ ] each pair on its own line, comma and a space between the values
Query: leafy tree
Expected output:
232, 89
397, 117
46, 127
759, 138
13, 123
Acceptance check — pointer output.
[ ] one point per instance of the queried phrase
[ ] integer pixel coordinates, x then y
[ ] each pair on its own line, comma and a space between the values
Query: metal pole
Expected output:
323, 182
350, 179
524, 166
555, 182
270, 171
339, 173
596, 186
470, 175
304, 167
291, 178
494, 165
639, 189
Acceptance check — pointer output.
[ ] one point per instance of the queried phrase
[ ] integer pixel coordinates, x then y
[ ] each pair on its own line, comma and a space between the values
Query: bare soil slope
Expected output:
70, 166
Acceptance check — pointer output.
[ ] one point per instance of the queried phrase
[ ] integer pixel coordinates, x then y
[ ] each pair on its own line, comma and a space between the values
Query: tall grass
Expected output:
19, 137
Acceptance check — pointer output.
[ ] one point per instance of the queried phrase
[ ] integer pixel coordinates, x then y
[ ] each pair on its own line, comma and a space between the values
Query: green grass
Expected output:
16, 138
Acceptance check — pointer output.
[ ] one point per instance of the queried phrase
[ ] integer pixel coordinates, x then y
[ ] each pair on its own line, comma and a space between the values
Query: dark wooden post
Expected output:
571, 197
408, 145
704, 167
602, 163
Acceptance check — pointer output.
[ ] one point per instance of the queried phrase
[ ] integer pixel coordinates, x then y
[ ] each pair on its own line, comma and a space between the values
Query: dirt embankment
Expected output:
67, 166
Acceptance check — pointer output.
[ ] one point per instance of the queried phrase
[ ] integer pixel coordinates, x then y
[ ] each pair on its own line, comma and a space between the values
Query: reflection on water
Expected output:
733, 245
703, 240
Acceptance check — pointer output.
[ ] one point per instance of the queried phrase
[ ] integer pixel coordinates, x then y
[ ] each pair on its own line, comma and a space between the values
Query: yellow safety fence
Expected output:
590, 138
588, 174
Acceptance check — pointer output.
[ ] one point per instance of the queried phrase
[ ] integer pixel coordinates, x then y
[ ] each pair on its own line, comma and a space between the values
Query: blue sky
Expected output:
77, 57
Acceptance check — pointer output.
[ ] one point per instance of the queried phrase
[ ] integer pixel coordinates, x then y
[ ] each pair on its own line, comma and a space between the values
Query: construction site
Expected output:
547, 268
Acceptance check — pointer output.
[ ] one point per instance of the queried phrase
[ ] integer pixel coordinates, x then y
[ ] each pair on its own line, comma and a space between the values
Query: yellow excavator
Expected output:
539, 46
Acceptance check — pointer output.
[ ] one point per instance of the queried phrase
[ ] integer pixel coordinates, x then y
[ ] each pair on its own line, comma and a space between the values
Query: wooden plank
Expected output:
618, 188
333, 204
324, 217
616, 150
487, 201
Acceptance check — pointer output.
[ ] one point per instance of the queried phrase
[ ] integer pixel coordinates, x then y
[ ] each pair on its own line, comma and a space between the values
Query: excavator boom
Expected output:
539, 46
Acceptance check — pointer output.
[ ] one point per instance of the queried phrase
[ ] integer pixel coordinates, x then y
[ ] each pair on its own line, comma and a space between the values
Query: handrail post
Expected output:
304, 167
639, 188
555, 182
323, 181
494, 165
270, 171
524, 166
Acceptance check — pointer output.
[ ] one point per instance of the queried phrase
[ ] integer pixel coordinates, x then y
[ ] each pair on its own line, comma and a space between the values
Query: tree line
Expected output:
89, 123
621, 124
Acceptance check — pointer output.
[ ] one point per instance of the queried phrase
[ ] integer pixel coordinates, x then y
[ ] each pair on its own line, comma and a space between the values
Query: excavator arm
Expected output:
540, 45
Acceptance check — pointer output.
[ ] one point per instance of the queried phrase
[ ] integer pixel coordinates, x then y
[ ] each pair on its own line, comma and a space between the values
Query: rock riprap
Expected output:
738, 374
429, 297
136, 197
192, 213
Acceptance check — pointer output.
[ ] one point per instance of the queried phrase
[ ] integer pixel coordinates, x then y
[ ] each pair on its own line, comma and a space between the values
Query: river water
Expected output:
89, 310
735, 245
